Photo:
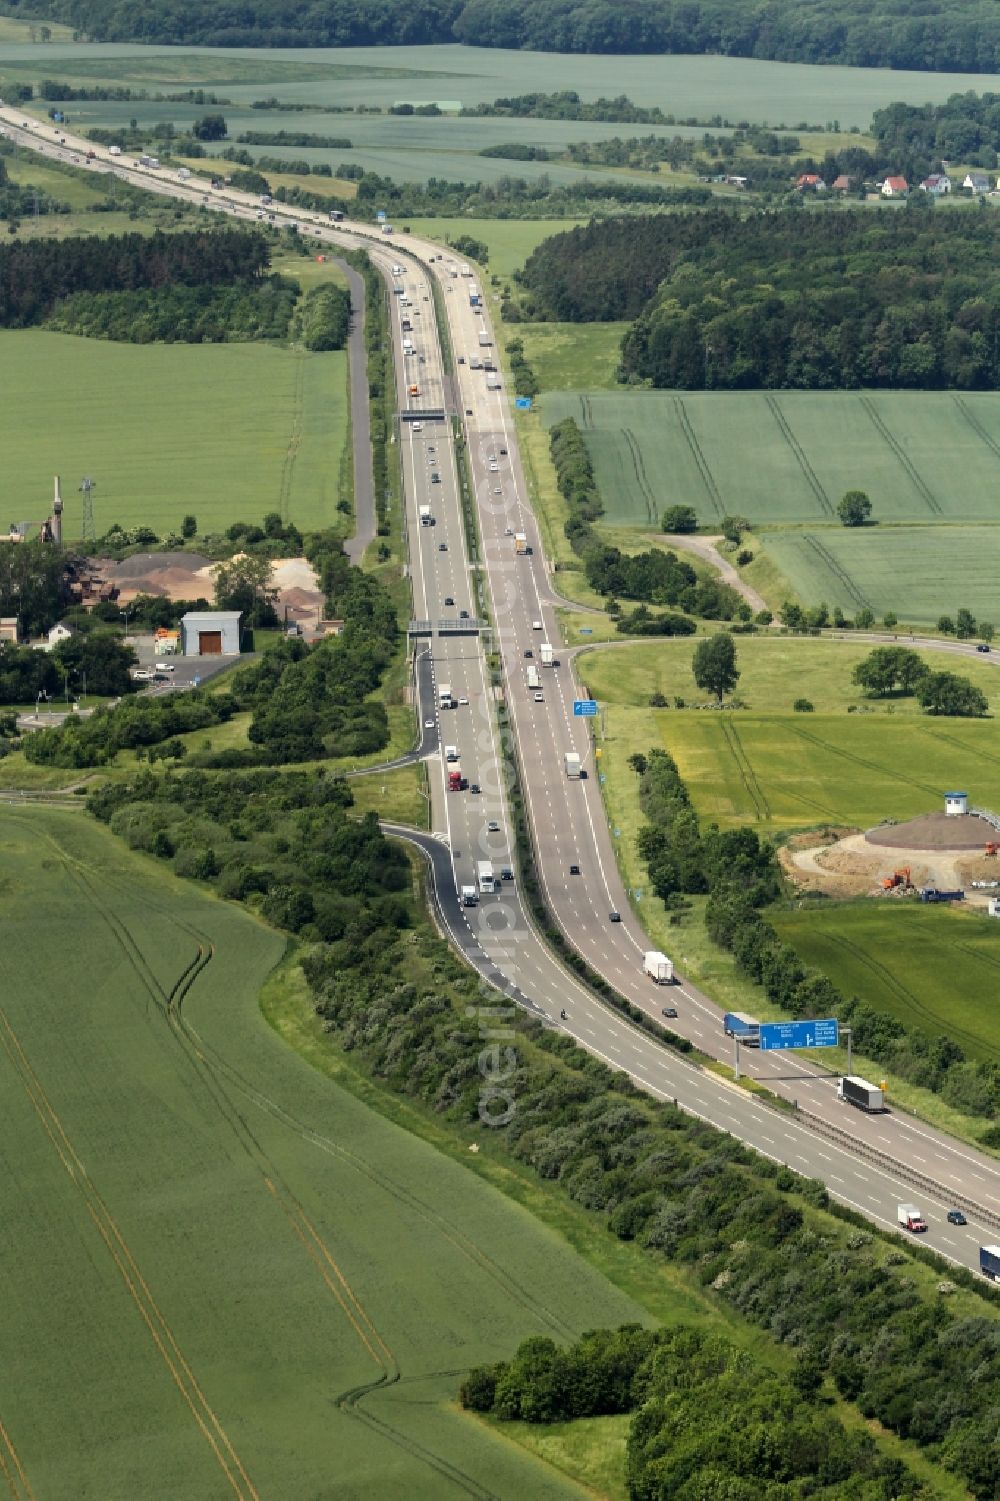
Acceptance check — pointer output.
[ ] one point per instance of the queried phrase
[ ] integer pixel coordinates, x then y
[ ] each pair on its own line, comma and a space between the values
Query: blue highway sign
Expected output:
523, 403
814, 1034
584, 708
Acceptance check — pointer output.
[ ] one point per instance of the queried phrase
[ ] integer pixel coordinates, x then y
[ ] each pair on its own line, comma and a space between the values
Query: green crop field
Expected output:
564, 355
223, 1272
784, 770
228, 432
943, 972
787, 457
919, 572
510, 241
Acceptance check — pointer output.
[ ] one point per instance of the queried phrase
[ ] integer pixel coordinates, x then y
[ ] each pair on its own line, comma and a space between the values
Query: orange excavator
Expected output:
898, 878
992, 848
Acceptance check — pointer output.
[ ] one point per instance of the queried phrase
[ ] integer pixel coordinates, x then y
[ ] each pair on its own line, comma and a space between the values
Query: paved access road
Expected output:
567, 815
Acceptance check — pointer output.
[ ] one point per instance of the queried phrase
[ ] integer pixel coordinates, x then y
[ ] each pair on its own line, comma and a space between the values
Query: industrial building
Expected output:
211, 633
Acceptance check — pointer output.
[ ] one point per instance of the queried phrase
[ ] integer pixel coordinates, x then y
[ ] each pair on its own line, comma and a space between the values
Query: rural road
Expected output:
361, 447
706, 548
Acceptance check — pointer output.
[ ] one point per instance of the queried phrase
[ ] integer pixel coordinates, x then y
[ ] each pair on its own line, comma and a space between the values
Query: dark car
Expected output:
529, 652
669, 1011
448, 600
615, 916
503, 450
506, 874
574, 870
463, 614
442, 547
474, 787
956, 1217
468, 411
982, 646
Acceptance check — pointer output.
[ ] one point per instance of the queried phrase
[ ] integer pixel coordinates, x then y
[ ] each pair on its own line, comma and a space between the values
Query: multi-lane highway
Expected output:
574, 847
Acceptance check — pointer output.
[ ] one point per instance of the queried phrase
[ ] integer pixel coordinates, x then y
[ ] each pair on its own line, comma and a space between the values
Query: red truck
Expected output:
454, 777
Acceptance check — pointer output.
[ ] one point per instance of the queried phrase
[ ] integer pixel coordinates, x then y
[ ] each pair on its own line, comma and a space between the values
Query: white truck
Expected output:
426, 519
493, 381
445, 700
909, 1216
466, 270
484, 339
469, 896
658, 967
533, 678
857, 1091
487, 880
407, 346
520, 544
571, 761
114, 151
451, 752
545, 651
387, 229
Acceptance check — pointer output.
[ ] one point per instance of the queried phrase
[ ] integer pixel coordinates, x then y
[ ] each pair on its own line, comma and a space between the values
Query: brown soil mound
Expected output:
935, 831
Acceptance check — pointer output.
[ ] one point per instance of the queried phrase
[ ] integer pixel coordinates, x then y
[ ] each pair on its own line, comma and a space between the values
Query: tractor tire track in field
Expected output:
701, 463
906, 463
170, 1352
13, 1470
214, 1069
980, 755
801, 458
586, 413
641, 478
762, 808
902, 992
839, 572
977, 427
294, 441
836, 750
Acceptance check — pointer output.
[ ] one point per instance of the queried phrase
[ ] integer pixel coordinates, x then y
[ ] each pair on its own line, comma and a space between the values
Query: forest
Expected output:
791, 298
965, 128
37, 274
943, 35
708, 1419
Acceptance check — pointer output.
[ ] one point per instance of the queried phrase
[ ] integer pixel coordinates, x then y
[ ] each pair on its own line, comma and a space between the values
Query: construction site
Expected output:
941, 857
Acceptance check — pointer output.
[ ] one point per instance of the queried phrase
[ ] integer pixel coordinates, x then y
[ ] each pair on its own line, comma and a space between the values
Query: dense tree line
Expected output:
740, 875
709, 1419
325, 318
56, 90
966, 128
576, 481
37, 274
182, 315
947, 35
294, 138
100, 656
33, 584
752, 1230
135, 725
281, 841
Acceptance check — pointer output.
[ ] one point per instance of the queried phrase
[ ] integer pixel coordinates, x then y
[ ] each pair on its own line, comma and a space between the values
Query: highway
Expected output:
566, 816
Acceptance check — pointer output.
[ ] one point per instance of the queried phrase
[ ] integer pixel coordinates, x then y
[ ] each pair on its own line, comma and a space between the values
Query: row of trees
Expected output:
182, 315
961, 36
709, 1419
98, 661
686, 1195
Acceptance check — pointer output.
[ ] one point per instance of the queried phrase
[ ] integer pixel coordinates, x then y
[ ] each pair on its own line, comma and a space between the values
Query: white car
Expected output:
494, 467
539, 698
536, 625
166, 667
428, 724
463, 702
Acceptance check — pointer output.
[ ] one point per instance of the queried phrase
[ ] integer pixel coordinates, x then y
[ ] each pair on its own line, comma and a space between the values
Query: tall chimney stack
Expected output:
57, 506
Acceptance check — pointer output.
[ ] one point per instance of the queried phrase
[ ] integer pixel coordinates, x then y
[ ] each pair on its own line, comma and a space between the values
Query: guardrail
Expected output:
899, 1169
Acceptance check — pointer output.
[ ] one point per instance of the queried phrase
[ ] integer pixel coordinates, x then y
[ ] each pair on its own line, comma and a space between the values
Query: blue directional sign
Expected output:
586, 630
814, 1034
523, 403
585, 708
380, 216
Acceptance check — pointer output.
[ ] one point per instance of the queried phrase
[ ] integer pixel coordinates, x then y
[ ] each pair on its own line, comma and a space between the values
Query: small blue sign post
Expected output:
523, 403
811, 1034
585, 708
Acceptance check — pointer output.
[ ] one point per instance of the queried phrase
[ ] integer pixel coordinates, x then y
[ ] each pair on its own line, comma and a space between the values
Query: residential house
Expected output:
841, 184
810, 182
61, 631
10, 629
895, 187
977, 182
937, 185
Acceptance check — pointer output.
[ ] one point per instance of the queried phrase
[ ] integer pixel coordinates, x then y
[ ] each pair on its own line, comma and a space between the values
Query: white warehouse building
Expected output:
210, 633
